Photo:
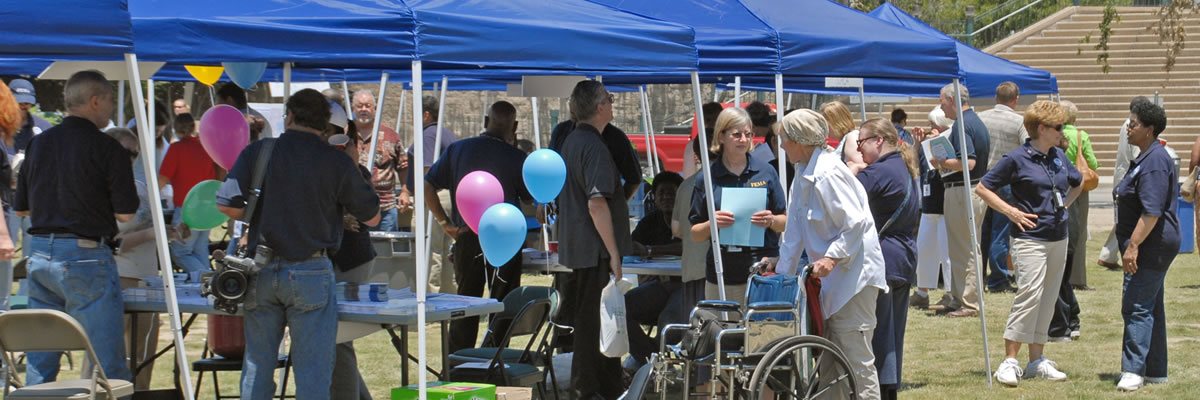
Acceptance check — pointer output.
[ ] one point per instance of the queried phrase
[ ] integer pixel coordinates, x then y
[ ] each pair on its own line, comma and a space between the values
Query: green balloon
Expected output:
200, 206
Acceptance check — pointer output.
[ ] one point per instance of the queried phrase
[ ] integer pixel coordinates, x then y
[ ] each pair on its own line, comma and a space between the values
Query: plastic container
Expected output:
226, 336
1187, 226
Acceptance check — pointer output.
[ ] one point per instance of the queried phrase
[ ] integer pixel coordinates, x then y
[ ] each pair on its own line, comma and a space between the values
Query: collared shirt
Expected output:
1035, 178
186, 164
1071, 135
591, 173
307, 188
75, 178
429, 143
32, 126
694, 253
1150, 189
618, 144
1006, 131
978, 145
889, 188
736, 261
388, 151
828, 215
905, 135
486, 153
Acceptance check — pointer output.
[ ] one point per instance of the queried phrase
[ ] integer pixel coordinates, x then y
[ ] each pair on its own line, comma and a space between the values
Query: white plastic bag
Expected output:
614, 336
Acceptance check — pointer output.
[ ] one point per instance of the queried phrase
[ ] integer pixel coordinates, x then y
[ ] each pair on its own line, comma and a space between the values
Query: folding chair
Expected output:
530, 321
51, 330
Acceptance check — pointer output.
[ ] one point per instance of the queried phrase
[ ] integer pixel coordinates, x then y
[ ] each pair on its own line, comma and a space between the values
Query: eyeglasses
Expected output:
1058, 127
611, 99
740, 134
864, 140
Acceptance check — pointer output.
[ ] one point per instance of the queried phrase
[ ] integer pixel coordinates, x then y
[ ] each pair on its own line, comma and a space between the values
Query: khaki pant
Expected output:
146, 337
1039, 266
441, 280
732, 292
964, 286
851, 328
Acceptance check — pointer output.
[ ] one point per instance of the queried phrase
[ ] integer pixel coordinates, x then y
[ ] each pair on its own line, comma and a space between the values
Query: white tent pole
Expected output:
708, 187
346, 99
650, 124
419, 213
814, 102
150, 113
189, 89
650, 156
437, 151
383, 80
862, 103
737, 91
121, 104
782, 162
716, 94
789, 102
966, 187
537, 126
400, 109
287, 81
146, 138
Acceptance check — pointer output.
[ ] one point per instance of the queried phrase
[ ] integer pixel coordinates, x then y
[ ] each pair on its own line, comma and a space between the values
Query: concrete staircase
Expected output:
1103, 99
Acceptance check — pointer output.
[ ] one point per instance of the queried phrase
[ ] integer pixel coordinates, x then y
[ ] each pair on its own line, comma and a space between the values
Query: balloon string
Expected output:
212, 97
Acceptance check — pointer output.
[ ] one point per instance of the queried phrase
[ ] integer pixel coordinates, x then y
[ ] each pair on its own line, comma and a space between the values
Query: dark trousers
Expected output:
472, 273
645, 305
891, 320
1066, 309
592, 374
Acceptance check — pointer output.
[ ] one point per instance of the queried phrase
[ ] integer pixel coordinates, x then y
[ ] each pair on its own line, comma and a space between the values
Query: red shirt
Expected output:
186, 164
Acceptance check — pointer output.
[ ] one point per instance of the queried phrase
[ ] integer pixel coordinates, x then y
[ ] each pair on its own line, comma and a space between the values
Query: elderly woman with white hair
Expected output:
830, 220
933, 249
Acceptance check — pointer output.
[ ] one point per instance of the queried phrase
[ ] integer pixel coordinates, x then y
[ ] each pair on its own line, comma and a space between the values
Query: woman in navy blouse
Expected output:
1148, 233
895, 201
1043, 182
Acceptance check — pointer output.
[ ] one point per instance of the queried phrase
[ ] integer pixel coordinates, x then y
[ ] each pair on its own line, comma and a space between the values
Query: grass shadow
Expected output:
1109, 376
1190, 287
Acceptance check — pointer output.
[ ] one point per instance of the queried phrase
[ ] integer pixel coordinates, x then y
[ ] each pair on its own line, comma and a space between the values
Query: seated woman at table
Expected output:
652, 237
736, 168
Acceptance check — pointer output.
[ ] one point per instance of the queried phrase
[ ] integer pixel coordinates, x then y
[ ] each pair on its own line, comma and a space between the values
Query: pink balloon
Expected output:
224, 133
476, 192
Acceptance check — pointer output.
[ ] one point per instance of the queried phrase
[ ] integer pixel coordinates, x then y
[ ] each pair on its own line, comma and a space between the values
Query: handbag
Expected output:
1090, 179
1188, 189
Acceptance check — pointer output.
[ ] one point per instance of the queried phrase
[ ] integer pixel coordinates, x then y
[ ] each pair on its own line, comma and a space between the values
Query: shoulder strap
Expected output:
1079, 148
896, 214
260, 172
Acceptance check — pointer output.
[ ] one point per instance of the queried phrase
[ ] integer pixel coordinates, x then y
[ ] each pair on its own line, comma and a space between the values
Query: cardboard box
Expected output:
513, 393
438, 390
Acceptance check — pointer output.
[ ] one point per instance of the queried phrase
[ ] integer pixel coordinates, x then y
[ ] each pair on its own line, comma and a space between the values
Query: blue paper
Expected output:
743, 202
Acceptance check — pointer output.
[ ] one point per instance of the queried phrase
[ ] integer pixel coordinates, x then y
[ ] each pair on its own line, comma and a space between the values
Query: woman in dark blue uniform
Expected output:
890, 182
1148, 233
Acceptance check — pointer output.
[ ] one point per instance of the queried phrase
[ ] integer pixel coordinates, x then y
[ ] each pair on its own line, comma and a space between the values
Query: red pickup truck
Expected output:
670, 144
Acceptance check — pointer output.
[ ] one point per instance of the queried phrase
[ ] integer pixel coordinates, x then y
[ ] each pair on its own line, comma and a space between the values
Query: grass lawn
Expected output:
943, 357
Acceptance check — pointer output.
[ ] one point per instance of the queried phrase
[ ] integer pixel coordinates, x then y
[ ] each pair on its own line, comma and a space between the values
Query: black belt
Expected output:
66, 236
959, 183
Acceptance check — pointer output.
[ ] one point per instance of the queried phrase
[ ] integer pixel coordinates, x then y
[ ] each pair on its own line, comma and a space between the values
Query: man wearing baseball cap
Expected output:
32, 125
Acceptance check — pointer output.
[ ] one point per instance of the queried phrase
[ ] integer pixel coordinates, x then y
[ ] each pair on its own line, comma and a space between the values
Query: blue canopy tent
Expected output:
982, 72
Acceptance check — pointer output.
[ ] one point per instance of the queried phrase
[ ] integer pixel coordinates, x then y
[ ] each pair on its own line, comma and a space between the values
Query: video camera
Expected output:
232, 279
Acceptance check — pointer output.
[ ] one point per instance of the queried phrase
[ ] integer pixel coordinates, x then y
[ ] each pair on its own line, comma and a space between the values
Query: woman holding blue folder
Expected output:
732, 140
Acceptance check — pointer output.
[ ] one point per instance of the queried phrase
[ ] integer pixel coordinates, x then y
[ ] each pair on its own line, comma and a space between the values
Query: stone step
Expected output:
1146, 37
1125, 23
1155, 84
1096, 75
1115, 59
1072, 48
1082, 30
1104, 94
1150, 53
1091, 67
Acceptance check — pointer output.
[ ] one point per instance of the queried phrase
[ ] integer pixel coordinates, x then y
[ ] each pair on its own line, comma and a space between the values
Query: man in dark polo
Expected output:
592, 205
75, 181
493, 152
308, 185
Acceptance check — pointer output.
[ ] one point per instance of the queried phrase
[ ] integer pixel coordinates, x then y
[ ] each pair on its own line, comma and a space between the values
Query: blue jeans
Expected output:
6, 273
83, 283
300, 296
998, 247
388, 221
191, 254
1144, 349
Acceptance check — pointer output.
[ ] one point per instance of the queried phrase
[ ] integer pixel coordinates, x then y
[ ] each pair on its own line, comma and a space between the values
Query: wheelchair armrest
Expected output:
764, 306
662, 335
720, 305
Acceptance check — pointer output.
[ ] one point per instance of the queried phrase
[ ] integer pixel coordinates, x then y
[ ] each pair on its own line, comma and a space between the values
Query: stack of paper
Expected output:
377, 292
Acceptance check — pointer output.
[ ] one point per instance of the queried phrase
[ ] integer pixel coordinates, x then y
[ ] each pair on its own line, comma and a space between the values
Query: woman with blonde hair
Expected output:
11, 118
842, 134
734, 167
1043, 182
890, 179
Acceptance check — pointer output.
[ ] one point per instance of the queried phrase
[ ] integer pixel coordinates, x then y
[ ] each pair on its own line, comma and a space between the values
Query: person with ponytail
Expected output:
890, 180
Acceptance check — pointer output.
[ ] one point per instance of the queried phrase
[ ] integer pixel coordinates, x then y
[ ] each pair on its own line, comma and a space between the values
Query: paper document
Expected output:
743, 202
938, 147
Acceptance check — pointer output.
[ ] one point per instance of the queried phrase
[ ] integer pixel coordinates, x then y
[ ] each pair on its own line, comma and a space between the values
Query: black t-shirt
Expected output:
619, 146
75, 178
654, 230
308, 186
356, 248
591, 173
486, 153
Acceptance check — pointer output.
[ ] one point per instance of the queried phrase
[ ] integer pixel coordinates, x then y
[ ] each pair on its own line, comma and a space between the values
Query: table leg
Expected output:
400, 342
445, 375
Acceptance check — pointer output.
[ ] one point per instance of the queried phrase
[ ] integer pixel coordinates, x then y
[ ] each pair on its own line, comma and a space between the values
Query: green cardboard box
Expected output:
438, 390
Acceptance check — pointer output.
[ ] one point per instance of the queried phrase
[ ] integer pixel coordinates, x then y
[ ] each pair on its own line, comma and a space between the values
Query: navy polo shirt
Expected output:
978, 145
737, 261
933, 192
886, 180
654, 230
308, 186
1030, 173
1150, 189
75, 178
486, 153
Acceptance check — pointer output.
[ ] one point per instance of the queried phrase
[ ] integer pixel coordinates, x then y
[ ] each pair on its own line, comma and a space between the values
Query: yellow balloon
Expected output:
204, 74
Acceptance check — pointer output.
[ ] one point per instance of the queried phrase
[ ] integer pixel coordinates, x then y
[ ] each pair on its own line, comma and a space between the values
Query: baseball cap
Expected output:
337, 115
23, 90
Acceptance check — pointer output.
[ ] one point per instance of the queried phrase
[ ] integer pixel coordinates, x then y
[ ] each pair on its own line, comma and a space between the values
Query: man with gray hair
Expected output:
963, 298
76, 184
1006, 131
389, 164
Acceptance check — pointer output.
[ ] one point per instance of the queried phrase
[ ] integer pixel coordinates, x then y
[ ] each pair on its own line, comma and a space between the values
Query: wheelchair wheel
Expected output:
790, 371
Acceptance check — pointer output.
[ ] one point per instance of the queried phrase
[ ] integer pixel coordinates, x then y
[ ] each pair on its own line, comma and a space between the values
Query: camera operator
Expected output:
306, 188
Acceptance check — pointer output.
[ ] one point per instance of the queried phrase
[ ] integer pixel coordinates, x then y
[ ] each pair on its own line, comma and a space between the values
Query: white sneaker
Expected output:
1044, 368
1059, 339
1156, 379
1130, 382
1009, 372
1075, 334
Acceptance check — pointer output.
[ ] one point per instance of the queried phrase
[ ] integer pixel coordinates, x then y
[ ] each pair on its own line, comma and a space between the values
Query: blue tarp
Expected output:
66, 29
982, 71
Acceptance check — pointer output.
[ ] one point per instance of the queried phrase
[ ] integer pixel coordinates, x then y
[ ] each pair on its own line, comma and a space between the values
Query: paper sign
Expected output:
743, 202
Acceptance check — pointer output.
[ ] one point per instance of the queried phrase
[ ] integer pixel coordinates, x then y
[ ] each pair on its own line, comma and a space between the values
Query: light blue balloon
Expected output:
544, 173
245, 74
501, 233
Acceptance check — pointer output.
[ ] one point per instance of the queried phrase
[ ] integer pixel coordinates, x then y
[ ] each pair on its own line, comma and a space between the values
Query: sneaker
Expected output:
1059, 339
1075, 334
1110, 266
1130, 382
1044, 368
918, 301
1009, 372
1156, 379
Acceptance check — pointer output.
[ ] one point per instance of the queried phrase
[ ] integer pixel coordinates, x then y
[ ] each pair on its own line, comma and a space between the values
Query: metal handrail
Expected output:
1006, 17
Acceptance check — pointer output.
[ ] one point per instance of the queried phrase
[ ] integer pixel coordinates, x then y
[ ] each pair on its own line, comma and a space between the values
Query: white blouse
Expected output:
828, 216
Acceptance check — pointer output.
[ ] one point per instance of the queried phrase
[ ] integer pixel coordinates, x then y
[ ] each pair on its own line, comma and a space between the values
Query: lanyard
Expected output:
1049, 173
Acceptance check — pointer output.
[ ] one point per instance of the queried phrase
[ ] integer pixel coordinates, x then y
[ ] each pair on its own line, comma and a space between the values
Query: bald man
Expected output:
494, 152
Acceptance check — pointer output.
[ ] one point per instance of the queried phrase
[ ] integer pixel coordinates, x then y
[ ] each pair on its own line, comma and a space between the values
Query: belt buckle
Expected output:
87, 243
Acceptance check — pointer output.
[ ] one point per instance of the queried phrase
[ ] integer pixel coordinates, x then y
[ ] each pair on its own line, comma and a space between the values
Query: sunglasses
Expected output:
1058, 127
740, 134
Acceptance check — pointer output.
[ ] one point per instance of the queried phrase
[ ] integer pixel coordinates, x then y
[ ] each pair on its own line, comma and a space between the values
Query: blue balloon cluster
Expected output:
503, 226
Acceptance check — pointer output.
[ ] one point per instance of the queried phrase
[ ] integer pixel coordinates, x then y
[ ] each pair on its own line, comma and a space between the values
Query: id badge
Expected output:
925, 190
1058, 200
733, 249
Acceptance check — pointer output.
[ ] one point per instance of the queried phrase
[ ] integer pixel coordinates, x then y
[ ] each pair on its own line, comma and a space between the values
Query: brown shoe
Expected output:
1109, 265
963, 313
943, 304
918, 302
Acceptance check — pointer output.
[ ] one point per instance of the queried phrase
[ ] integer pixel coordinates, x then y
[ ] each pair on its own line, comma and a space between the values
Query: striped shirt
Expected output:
1006, 129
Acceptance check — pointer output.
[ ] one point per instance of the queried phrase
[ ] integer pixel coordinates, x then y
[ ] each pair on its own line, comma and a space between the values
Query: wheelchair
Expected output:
760, 351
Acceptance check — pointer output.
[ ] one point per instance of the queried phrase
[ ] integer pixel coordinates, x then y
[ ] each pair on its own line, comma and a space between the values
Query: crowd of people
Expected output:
878, 220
